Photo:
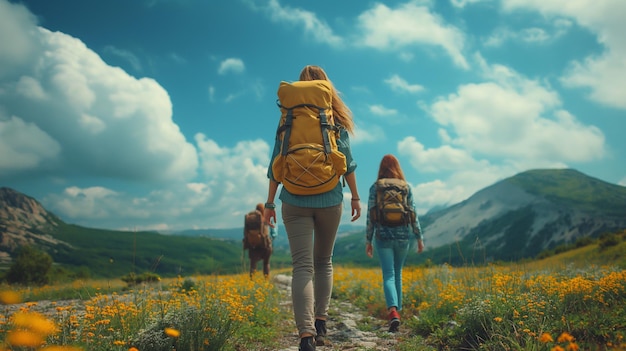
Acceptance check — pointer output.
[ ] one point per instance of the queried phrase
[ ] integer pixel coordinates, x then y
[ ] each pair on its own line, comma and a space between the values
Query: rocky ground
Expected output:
346, 325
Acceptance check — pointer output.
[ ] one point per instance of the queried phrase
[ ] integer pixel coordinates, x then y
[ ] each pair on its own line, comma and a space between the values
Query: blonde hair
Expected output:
341, 112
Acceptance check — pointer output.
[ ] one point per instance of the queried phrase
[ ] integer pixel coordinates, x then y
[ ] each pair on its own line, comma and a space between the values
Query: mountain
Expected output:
523, 215
108, 253
24, 221
513, 219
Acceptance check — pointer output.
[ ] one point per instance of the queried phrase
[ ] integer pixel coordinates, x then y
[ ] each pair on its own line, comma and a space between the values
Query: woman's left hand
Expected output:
369, 250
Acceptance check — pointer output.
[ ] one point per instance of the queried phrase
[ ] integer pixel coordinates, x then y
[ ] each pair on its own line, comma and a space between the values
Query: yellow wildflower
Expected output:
545, 338
171, 332
565, 337
498, 319
24, 338
9, 297
34, 322
572, 347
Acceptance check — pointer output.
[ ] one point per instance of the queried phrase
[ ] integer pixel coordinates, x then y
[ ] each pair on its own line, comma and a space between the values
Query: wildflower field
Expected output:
508, 307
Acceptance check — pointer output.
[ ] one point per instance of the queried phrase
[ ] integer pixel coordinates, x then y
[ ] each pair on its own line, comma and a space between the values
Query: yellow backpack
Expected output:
309, 162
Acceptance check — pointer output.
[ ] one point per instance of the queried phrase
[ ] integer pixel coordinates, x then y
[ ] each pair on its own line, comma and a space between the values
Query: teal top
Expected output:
328, 199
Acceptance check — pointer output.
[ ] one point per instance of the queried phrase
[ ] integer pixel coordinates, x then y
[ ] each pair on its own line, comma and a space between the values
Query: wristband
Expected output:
355, 199
270, 205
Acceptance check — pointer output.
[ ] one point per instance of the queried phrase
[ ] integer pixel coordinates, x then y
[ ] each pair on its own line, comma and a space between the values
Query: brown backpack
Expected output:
254, 231
392, 207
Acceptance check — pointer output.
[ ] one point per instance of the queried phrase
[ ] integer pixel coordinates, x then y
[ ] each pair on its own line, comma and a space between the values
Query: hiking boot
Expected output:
307, 344
320, 329
394, 321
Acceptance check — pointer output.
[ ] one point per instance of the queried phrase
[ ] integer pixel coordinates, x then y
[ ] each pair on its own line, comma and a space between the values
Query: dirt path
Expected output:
349, 329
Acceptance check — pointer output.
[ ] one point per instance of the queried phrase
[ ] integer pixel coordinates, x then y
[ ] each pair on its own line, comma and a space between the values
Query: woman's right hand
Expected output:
369, 250
269, 216
420, 246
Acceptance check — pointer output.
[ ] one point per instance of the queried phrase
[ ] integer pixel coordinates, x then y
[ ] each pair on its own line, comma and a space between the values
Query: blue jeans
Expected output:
392, 255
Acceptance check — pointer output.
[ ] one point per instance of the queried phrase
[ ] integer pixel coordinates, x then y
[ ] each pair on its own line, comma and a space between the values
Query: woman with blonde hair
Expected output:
391, 241
311, 221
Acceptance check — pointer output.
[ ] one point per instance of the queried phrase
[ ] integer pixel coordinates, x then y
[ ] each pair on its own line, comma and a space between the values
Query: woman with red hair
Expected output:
392, 241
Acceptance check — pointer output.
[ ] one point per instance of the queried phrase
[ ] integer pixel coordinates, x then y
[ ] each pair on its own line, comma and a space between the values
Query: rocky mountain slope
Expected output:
23, 221
532, 211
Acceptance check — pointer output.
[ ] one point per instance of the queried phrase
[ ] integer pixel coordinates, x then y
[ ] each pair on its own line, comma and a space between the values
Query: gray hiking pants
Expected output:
311, 233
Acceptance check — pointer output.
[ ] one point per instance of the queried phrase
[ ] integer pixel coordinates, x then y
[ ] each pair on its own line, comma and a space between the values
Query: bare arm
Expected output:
355, 202
270, 213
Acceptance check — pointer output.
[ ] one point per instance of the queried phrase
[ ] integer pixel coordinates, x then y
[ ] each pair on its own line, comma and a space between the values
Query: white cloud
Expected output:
622, 182
19, 42
314, 27
397, 83
603, 74
81, 114
24, 146
516, 117
410, 24
211, 93
443, 158
529, 35
231, 65
213, 201
365, 134
463, 3
494, 129
126, 55
380, 110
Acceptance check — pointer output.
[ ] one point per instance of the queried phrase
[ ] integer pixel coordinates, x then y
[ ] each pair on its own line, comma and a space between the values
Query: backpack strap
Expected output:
324, 125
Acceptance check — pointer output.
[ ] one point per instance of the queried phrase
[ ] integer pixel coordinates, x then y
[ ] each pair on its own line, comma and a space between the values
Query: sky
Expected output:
161, 114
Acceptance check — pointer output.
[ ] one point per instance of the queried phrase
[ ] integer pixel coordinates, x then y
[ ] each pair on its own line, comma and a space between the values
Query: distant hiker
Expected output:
257, 239
309, 165
391, 220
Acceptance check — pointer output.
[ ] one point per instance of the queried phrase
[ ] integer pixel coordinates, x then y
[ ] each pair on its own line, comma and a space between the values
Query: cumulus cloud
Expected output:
603, 74
72, 111
19, 42
398, 83
493, 129
516, 117
212, 201
410, 24
231, 65
24, 146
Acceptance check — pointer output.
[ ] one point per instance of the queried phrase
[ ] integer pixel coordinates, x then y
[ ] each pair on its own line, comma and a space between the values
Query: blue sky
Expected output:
160, 114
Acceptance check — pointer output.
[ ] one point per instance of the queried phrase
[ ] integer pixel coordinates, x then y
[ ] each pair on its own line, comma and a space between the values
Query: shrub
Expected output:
608, 241
30, 266
147, 277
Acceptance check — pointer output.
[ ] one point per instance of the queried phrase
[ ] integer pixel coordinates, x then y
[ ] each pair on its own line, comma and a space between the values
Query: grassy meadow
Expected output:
563, 302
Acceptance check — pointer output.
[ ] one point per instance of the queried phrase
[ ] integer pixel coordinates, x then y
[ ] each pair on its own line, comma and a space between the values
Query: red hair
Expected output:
390, 168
